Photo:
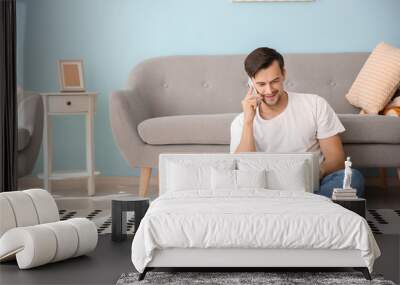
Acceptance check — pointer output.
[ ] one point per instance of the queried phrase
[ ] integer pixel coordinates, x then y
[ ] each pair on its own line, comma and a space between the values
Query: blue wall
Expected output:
113, 36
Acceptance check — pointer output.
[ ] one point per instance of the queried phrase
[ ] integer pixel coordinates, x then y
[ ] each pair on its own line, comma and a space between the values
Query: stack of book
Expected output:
344, 194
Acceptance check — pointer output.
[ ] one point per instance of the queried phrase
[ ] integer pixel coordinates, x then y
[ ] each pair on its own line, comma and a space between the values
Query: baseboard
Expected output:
120, 182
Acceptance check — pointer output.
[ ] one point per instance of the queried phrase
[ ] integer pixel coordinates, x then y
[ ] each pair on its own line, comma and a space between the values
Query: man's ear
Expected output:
284, 73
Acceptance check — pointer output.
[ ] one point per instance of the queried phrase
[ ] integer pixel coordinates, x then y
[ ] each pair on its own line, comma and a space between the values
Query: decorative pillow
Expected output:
288, 174
251, 178
184, 175
237, 179
377, 81
393, 108
291, 178
223, 179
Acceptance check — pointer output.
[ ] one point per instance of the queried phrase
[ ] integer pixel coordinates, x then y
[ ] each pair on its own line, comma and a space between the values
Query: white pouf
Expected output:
22, 207
30, 230
87, 233
66, 237
40, 244
7, 218
46, 207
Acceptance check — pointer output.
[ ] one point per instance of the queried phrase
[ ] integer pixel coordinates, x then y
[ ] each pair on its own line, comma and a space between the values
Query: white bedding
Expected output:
251, 218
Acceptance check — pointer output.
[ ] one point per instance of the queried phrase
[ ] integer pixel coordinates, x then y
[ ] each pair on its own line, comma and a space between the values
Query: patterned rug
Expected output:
270, 278
384, 221
381, 221
102, 219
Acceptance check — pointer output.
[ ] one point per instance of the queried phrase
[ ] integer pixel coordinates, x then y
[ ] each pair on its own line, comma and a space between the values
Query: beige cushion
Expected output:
215, 129
187, 129
377, 81
361, 129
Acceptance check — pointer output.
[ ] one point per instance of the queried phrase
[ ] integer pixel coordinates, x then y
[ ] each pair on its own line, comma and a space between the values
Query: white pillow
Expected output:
223, 179
237, 179
185, 175
251, 178
281, 175
291, 178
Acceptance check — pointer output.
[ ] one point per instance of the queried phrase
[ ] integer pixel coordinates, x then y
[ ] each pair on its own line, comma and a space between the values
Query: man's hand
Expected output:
332, 149
249, 106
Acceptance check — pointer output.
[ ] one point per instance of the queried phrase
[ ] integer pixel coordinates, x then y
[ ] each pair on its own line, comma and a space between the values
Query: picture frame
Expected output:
71, 75
248, 1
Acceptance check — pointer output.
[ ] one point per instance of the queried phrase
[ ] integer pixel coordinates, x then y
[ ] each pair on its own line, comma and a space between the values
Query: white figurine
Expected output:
347, 174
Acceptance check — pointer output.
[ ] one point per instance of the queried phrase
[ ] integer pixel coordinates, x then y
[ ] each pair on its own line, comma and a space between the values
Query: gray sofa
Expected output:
30, 130
187, 103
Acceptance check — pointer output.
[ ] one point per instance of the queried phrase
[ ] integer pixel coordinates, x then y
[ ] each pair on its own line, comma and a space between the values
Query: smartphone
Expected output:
254, 93
251, 85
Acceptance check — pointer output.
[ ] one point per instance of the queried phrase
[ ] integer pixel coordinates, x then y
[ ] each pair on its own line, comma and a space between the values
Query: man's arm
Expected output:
333, 152
249, 106
247, 143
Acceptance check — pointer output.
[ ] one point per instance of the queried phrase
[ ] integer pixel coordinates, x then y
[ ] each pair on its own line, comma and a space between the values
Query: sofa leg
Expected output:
364, 271
382, 178
145, 175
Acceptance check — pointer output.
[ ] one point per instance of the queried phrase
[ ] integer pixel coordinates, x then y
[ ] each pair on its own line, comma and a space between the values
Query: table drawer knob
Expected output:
69, 103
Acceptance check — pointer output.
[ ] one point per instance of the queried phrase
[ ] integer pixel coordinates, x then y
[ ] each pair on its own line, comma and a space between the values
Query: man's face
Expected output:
269, 83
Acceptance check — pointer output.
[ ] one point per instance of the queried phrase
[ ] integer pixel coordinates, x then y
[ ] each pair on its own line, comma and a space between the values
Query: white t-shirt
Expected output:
306, 118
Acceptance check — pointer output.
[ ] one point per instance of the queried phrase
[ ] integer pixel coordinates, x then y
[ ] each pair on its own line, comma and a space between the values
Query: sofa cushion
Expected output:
187, 129
370, 129
215, 129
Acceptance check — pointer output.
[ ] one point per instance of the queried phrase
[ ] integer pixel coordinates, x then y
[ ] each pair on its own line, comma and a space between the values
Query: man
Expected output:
278, 121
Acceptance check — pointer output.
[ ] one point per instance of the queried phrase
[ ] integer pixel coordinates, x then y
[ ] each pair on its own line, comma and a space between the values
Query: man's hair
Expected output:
261, 58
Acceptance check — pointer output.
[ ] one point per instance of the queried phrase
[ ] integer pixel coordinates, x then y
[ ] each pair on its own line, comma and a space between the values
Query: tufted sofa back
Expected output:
213, 84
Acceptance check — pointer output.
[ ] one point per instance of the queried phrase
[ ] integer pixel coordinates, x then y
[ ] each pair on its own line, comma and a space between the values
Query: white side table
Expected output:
69, 104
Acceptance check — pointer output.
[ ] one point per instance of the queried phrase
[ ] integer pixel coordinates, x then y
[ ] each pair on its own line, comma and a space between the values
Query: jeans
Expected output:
335, 180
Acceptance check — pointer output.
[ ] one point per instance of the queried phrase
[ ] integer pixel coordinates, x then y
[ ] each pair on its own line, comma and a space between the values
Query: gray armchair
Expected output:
187, 103
30, 130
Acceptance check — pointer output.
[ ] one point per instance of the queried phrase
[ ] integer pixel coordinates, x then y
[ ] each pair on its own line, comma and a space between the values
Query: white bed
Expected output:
197, 222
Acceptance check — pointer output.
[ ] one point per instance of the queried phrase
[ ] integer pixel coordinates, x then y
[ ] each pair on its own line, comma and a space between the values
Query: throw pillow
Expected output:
184, 177
223, 179
193, 175
236, 179
291, 177
251, 178
377, 81
287, 174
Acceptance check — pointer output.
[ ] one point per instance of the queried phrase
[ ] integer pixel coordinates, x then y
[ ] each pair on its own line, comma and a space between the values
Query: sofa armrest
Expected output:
30, 118
126, 111
24, 137
30, 111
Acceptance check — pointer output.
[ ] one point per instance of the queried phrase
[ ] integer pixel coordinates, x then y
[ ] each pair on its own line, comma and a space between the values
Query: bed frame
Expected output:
242, 258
